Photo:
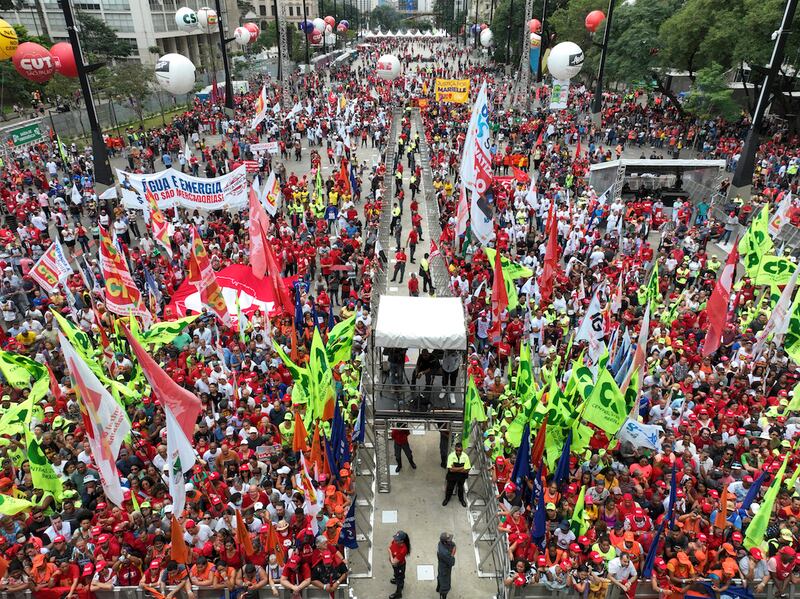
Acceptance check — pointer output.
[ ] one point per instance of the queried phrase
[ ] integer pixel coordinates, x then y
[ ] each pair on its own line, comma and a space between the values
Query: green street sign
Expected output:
26, 134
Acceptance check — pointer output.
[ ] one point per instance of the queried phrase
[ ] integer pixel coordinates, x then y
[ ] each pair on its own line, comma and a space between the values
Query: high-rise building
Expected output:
148, 24
293, 9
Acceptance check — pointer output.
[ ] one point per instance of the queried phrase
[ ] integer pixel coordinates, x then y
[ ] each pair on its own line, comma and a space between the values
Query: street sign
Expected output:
26, 134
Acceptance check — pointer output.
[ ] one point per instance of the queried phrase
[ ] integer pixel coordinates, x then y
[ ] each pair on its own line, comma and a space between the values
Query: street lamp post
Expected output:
597, 103
543, 43
278, 37
508, 32
223, 46
102, 167
743, 175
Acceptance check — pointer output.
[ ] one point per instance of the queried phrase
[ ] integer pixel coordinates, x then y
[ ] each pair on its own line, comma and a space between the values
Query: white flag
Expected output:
261, 109
462, 212
77, 196
778, 322
592, 328
109, 194
780, 217
270, 194
106, 422
180, 459
187, 152
640, 435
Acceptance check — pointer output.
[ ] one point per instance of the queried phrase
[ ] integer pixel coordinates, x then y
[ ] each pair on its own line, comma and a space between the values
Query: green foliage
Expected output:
568, 24
385, 18
447, 17
503, 14
129, 82
100, 42
710, 95
15, 88
64, 87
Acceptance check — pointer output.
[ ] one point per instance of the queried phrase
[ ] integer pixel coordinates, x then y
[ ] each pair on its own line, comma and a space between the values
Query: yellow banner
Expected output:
452, 90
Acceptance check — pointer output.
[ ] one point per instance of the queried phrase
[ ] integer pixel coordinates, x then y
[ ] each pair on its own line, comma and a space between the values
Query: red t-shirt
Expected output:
399, 551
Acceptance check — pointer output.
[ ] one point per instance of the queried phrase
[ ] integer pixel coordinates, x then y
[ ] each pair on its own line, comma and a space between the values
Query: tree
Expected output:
100, 42
710, 95
567, 22
387, 18
447, 17
62, 87
131, 82
15, 88
500, 27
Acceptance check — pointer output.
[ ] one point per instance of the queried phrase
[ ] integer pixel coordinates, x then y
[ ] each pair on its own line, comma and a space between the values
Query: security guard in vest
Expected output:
286, 429
396, 212
458, 466
425, 273
682, 275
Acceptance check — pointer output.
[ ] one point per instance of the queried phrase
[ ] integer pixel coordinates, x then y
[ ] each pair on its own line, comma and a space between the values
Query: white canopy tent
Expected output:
421, 322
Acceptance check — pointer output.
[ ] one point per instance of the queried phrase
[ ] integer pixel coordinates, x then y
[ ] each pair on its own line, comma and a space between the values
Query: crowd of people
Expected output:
722, 428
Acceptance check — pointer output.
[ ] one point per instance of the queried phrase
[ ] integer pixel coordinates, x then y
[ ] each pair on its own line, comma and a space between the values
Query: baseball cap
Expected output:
60, 539
595, 557
756, 553
189, 523
104, 538
550, 506
88, 569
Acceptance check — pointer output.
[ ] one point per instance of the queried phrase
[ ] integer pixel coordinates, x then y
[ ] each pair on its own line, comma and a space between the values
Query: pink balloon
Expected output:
535, 25
315, 37
330, 21
64, 59
594, 19
34, 62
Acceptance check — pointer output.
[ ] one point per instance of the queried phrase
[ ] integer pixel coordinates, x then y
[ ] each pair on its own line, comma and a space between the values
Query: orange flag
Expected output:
274, 544
300, 439
179, 552
317, 459
295, 355
243, 535
330, 408
720, 521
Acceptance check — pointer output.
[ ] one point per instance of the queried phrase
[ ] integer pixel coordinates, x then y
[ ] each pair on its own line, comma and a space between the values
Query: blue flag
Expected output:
298, 309
353, 183
522, 465
539, 525
650, 560
752, 492
340, 444
314, 318
562, 469
673, 490
331, 319
347, 536
361, 423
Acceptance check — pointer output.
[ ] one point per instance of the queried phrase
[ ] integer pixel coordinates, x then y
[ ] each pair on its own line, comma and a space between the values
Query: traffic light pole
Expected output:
102, 167
743, 175
597, 102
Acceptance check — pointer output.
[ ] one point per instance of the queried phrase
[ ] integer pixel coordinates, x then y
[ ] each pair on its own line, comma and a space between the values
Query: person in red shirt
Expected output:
413, 285
400, 435
399, 549
400, 265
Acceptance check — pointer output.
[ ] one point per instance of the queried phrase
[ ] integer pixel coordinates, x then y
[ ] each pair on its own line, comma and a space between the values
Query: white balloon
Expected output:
241, 36
319, 24
328, 28
186, 19
175, 73
565, 60
487, 37
207, 19
388, 67
330, 38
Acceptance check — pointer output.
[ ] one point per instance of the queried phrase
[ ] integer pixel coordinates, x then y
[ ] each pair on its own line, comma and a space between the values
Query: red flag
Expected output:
278, 286
499, 300
300, 439
243, 536
550, 265
540, 139
717, 307
183, 404
55, 388
274, 543
434, 251
258, 259
578, 149
520, 175
537, 451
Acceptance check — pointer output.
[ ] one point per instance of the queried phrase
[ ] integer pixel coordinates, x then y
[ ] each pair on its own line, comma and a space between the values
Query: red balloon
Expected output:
315, 37
34, 62
254, 31
535, 25
64, 59
594, 19
330, 21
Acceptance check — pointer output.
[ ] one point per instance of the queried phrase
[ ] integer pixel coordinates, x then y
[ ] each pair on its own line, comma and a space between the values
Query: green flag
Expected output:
301, 377
508, 279
524, 384
164, 333
10, 506
756, 239
77, 337
43, 474
791, 343
339, 347
13, 420
605, 407
474, 411
773, 271
653, 291
321, 375
18, 369
578, 523
754, 534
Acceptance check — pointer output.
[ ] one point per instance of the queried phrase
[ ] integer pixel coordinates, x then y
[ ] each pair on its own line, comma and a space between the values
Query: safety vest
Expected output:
423, 264
287, 432
681, 275
396, 211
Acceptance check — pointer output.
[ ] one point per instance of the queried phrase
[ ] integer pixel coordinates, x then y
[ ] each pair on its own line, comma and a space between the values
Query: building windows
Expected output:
291, 11
262, 10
